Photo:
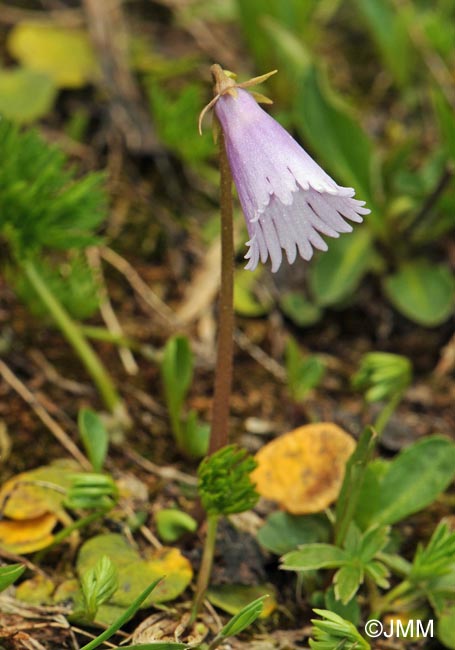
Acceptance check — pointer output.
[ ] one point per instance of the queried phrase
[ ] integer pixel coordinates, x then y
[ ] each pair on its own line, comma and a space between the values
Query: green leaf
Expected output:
244, 618
283, 532
71, 281
408, 483
136, 571
373, 541
347, 581
354, 477
247, 301
123, 618
177, 375
314, 556
390, 33
43, 203
335, 135
441, 589
297, 308
9, 574
446, 121
172, 524
423, 292
25, 95
383, 375
303, 373
335, 275
379, 573
94, 437
195, 436
350, 611
64, 54
91, 491
335, 633
444, 630
98, 584
437, 558
175, 117
255, 18
233, 598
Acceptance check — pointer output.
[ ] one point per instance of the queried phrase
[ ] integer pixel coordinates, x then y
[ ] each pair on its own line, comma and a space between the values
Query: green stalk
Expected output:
206, 565
352, 484
219, 436
386, 413
68, 530
102, 334
71, 331
404, 591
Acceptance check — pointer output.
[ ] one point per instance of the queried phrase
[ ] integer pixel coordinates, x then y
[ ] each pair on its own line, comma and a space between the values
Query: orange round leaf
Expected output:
303, 470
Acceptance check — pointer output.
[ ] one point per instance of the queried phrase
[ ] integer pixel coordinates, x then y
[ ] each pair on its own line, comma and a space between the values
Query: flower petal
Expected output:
287, 199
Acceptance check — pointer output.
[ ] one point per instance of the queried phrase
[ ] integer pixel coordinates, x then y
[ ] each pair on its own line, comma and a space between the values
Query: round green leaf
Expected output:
25, 95
422, 292
135, 573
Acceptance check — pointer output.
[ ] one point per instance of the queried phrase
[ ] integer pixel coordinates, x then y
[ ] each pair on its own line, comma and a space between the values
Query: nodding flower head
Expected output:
287, 199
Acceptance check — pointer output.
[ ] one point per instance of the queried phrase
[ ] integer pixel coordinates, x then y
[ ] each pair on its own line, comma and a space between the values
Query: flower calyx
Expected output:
225, 84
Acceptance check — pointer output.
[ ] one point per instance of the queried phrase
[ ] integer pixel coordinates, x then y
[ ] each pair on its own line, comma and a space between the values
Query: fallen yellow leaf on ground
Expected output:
136, 572
64, 54
27, 536
31, 494
303, 470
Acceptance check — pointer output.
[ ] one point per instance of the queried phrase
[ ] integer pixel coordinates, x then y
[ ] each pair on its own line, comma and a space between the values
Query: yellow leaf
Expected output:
36, 591
25, 95
64, 54
303, 470
32, 494
135, 573
27, 536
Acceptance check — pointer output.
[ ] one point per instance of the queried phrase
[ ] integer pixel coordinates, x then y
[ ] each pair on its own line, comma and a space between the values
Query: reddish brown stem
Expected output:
219, 436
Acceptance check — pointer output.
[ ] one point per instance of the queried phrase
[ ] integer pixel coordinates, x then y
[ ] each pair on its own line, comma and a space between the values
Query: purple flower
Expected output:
287, 199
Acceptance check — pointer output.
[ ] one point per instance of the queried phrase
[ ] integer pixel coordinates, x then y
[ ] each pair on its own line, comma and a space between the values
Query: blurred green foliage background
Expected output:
364, 85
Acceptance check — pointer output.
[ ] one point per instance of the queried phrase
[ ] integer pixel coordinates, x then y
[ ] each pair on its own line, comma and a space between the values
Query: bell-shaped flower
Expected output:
287, 199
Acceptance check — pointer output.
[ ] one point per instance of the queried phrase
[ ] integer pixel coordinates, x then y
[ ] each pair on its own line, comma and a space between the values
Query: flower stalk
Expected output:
206, 565
74, 336
219, 436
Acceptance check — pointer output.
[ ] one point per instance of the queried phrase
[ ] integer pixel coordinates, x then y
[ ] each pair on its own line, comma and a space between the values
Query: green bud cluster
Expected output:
225, 486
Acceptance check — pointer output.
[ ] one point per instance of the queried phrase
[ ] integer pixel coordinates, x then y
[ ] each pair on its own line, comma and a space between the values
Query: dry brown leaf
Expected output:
29, 535
303, 470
